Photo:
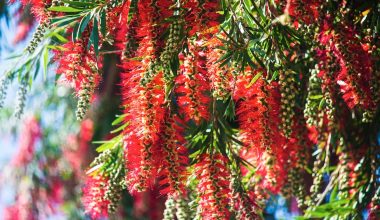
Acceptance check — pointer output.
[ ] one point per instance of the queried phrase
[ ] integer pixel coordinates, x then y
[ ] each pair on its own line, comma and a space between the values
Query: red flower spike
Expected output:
258, 108
306, 11
174, 159
193, 87
213, 186
77, 64
143, 98
202, 16
93, 196
353, 62
144, 113
220, 77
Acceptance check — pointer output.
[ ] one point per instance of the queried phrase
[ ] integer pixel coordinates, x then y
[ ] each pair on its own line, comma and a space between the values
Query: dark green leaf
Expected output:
95, 37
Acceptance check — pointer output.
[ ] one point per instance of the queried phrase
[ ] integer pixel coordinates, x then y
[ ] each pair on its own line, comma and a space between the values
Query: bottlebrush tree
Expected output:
223, 104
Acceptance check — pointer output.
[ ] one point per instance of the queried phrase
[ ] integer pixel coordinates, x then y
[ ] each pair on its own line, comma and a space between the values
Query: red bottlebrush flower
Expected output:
126, 34
353, 64
80, 67
201, 16
150, 29
249, 111
213, 186
143, 96
220, 77
28, 138
94, 196
174, 154
22, 31
77, 63
193, 86
258, 116
303, 10
145, 114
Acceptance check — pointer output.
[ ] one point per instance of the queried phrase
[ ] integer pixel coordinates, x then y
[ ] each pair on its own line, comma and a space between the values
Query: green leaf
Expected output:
95, 37
54, 47
119, 128
103, 23
334, 193
110, 144
316, 97
118, 120
83, 24
64, 9
45, 56
60, 37
254, 79
64, 20
321, 104
79, 4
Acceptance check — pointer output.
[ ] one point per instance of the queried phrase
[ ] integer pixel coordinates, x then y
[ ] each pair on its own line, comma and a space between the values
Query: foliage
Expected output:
224, 103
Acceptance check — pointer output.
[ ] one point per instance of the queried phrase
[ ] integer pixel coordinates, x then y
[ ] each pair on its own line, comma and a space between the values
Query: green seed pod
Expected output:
21, 99
170, 209
287, 89
4, 83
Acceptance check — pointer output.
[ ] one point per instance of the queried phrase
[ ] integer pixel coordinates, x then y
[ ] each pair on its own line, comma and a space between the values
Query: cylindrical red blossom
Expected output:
258, 107
306, 11
193, 86
353, 65
249, 111
38, 8
143, 98
151, 16
244, 207
93, 198
202, 16
144, 115
30, 134
220, 76
172, 166
299, 143
77, 63
126, 34
213, 188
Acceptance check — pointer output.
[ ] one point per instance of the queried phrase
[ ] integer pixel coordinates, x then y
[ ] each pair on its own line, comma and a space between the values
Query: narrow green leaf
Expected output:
257, 76
64, 9
118, 120
119, 128
54, 47
83, 24
80, 4
60, 38
64, 20
316, 97
45, 61
103, 22
95, 37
